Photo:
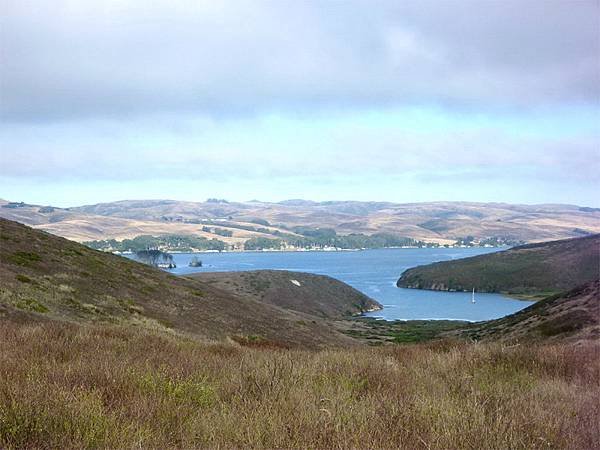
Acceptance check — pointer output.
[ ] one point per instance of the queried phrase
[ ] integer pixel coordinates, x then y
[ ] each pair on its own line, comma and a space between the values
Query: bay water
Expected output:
374, 272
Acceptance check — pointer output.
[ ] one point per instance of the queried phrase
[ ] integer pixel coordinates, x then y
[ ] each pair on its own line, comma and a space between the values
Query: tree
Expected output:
153, 257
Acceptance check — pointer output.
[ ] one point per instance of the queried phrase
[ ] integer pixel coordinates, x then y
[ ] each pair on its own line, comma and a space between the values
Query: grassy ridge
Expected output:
70, 386
47, 276
537, 269
571, 315
442, 222
317, 295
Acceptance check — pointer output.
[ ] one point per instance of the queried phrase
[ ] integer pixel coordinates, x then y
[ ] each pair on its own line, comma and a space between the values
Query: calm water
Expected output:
375, 273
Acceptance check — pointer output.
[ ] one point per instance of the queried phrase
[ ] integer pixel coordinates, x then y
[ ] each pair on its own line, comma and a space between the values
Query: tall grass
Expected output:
68, 386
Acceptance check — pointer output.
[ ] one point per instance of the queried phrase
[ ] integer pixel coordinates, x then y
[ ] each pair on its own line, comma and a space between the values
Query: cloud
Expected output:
71, 60
354, 99
356, 145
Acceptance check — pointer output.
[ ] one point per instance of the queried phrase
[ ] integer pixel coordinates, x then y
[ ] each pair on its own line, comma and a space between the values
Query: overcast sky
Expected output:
401, 101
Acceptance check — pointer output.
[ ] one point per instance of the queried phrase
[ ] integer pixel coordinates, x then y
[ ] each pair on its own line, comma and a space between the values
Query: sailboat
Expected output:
473, 296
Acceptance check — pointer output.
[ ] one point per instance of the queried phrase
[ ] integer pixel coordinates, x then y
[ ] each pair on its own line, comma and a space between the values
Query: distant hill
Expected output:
44, 277
573, 315
534, 269
84, 226
302, 292
440, 222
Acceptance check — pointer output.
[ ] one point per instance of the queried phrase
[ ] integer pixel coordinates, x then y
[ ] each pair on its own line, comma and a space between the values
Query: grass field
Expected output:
72, 386
378, 332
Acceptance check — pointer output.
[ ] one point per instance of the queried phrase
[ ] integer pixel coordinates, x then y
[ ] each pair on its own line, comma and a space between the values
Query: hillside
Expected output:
534, 269
83, 226
573, 315
435, 221
45, 277
439, 222
97, 351
302, 292
71, 386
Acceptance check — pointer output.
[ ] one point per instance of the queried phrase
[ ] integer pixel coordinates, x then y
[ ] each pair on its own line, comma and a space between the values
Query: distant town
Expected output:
325, 240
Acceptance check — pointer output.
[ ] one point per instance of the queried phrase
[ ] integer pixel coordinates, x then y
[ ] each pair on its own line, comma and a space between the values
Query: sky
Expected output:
324, 100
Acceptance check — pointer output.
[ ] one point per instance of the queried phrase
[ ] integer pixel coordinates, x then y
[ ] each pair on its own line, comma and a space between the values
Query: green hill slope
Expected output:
535, 269
44, 277
303, 292
572, 315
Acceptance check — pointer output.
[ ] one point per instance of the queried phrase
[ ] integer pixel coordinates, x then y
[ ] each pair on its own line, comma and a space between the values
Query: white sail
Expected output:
473, 296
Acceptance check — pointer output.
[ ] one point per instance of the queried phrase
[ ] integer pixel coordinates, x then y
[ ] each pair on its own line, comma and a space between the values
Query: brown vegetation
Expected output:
99, 351
573, 315
44, 275
296, 291
71, 386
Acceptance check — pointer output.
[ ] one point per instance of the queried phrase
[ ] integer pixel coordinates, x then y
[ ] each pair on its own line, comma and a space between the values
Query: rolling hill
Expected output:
534, 269
83, 226
44, 277
302, 292
441, 222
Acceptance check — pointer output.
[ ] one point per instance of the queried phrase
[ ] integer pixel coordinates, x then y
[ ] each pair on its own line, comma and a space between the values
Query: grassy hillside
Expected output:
423, 221
84, 226
303, 292
97, 351
573, 315
70, 386
441, 222
535, 269
47, 277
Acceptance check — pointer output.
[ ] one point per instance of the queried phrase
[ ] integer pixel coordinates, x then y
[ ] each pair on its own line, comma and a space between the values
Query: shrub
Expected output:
29, 304
23, 258
23, 278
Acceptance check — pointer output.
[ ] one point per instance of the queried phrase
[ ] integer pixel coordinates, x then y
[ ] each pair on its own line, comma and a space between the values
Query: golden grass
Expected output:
68, 386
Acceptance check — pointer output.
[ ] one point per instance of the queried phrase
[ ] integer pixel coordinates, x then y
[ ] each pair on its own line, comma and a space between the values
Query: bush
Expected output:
23, 278
29, 304
27, 259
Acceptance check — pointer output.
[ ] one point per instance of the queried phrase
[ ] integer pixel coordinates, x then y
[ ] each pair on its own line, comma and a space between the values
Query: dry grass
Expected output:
63, 280
529, 223
68, 386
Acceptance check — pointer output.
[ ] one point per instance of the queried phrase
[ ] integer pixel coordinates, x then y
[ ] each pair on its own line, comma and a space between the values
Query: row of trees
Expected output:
262, 243
172, 242
219, 231
239, 226
305, 238
327, 237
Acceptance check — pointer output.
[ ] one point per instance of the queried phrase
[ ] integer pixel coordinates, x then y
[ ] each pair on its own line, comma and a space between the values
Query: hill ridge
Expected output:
572, 315
537, 269
440, 222
45, 277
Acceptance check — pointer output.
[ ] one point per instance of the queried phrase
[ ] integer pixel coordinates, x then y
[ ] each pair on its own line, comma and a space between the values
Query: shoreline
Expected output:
312, 250
532, 298
443, 319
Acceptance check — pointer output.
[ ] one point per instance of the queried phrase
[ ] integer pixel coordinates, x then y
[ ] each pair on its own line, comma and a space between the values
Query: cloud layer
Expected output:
395, 100
87, 59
